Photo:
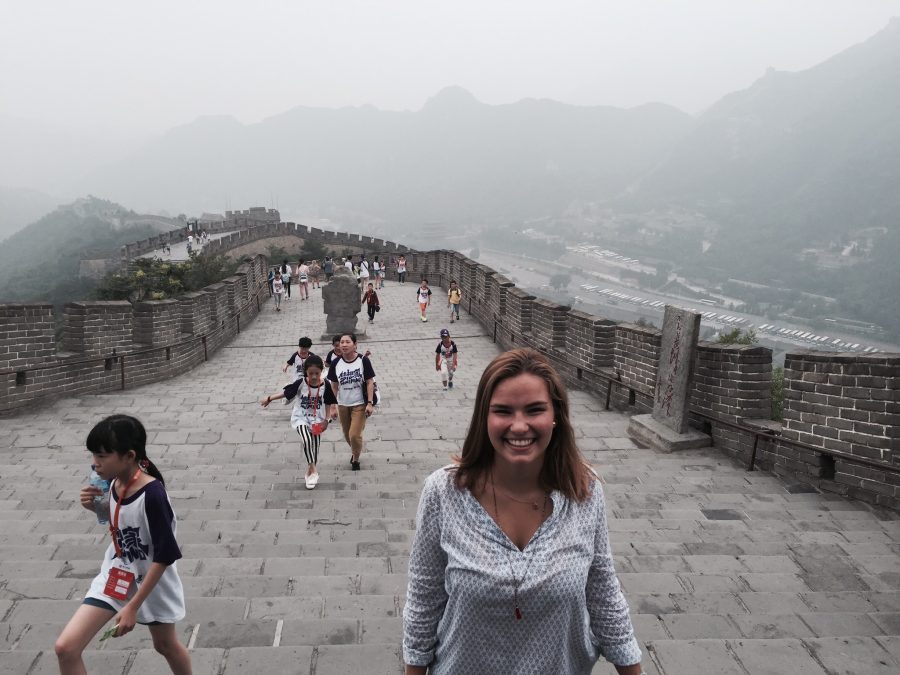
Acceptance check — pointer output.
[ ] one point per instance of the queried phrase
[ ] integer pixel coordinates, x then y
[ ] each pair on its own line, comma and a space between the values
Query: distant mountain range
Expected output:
456, 160
41, 262
815, 152
802, 157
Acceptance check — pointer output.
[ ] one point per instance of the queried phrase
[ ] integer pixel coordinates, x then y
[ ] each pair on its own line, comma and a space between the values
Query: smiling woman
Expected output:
511, 568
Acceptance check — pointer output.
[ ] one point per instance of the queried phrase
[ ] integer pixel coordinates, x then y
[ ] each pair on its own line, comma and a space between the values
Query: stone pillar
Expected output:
667, 427
341, 299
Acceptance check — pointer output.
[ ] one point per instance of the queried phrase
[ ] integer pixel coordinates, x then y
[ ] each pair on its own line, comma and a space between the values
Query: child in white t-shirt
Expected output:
312, 397
138, 580
423, 295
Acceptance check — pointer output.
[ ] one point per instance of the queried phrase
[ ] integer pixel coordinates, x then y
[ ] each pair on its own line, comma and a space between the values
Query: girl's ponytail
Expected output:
150, 468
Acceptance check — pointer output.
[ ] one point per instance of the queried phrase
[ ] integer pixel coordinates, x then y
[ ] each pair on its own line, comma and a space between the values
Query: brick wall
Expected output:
157, 322
549, 322
635, 361
848, 403
97, 327
108, 345
840, 402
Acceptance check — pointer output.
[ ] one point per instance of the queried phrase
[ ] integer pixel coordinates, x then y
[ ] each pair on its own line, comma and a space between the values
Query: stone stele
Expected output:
667, 428
341, 299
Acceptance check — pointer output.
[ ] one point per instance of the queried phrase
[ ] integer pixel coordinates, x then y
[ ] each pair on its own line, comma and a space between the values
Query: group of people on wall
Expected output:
510, 569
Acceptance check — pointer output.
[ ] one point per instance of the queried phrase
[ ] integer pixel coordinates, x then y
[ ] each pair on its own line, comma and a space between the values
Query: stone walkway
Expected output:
725, 571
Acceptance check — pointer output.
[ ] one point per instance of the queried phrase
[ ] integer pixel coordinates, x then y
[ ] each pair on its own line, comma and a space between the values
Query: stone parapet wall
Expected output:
113, 345
840, 402
371, 245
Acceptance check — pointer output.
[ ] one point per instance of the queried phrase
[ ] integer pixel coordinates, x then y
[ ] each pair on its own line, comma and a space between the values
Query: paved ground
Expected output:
179, 249
726, 572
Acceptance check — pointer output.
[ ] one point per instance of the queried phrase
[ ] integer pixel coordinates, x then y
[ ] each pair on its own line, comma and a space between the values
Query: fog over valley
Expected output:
742, 161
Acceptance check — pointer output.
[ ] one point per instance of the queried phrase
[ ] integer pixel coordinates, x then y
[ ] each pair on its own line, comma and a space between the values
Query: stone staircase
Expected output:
725, 571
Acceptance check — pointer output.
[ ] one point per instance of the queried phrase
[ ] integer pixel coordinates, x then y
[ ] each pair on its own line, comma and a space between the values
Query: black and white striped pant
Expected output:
310, 443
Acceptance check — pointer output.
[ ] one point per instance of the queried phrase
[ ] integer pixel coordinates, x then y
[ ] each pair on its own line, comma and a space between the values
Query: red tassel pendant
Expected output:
518, 614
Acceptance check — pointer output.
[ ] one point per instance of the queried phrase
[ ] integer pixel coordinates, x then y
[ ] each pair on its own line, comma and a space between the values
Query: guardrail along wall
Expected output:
847, 403
114, 345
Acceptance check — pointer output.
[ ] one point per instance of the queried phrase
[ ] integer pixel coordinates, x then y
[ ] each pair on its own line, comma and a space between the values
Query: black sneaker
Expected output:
354, 466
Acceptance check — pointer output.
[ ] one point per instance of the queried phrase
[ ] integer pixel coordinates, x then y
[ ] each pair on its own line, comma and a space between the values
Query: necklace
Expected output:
532, 504
516, 581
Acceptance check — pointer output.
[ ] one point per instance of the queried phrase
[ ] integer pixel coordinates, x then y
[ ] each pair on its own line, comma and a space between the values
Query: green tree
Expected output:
155, 279
777, 393
738, 337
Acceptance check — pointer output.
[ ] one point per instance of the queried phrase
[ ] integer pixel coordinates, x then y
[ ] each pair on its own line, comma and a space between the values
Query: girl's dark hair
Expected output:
352, 336
120, 434
564, 468
304, 342
336, 338
315, 361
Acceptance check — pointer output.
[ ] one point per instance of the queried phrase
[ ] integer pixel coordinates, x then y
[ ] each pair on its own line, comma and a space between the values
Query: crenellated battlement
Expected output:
257, 224
109, 345
841, 411
846, 403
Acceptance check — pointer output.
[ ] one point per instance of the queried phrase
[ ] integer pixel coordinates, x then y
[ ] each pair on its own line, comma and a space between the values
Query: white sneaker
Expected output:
312, 480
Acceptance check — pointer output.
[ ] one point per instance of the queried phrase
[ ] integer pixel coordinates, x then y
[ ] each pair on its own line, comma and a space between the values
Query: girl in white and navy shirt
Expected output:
138, 580
312, 397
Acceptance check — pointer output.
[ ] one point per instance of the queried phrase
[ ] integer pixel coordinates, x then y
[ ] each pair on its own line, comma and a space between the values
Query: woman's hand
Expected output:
88, 493
369, 409
265, 401
125, 621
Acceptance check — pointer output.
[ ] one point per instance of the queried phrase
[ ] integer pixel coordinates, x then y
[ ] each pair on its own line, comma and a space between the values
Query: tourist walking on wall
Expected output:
271, 279
423, 297
454, 298
303, 279
138, 580
511, 566
401, 269
311, 396
328, 269
446, 359
277, 290
378, 273
352, 381
363, 271
370, 300
315, 271
286, 273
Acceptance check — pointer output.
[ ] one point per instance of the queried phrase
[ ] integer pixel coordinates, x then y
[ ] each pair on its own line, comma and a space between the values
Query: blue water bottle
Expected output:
101, 502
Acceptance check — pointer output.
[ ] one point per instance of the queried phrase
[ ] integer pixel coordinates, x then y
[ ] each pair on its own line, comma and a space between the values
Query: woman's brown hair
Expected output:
564, 469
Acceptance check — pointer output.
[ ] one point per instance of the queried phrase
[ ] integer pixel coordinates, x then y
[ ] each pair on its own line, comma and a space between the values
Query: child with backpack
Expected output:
138, 580
454, 298
446, 359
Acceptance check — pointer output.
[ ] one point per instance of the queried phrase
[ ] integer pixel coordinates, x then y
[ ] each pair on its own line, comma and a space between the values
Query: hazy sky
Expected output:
142, 67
